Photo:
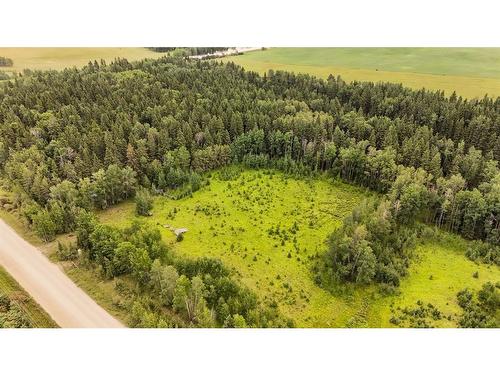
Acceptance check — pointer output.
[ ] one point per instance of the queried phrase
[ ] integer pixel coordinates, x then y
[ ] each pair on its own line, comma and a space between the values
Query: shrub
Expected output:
44, 227
484, 252
5, 61
66, 252
143, 202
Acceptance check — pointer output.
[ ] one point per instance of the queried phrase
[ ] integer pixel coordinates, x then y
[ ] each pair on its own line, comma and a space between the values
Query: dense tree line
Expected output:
188, 51
83, 139
375, 242
201, 292
162, 49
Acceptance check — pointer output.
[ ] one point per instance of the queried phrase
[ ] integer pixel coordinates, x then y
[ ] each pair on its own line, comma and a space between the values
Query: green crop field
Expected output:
60, 58
237, 221
471, 72
18, 297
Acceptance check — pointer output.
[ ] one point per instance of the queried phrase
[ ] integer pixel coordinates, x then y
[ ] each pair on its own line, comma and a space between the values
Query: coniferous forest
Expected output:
82, 140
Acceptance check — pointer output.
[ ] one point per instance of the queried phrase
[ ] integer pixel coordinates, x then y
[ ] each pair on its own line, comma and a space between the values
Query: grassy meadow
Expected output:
39, 58
231, 220
471, 72
237, 221
438, 272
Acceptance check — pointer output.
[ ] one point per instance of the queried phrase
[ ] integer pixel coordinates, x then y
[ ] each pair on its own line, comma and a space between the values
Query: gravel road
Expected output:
67, 304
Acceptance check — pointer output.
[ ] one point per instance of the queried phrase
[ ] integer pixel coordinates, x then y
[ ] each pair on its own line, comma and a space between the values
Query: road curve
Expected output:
67, 304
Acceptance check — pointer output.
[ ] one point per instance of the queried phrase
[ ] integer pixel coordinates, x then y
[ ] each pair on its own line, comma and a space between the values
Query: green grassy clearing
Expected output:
230, 220
233, 223
284, 200
438, 273
30, 309
471, 72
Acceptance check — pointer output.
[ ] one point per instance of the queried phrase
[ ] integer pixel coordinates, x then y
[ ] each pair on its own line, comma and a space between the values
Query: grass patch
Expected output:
104, 292
90, 279
438, 273
471, 72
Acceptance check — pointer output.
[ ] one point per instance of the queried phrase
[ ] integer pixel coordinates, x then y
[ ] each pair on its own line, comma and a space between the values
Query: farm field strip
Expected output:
473, 78
60, 58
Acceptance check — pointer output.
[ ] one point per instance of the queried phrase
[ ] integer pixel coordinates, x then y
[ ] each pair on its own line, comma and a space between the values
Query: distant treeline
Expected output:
160, 123
5, 61
189, 51
162, 49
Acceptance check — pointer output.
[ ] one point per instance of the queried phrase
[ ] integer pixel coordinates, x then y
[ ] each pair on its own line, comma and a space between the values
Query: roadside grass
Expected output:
33, 312
471, 72
104, 292
60, 58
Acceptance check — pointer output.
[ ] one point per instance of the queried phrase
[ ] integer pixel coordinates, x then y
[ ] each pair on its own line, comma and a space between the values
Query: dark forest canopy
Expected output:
161, 49
87, 138
189, 51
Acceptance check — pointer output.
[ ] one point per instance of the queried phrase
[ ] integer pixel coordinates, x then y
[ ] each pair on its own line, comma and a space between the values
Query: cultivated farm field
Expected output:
39, 58
471, 72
